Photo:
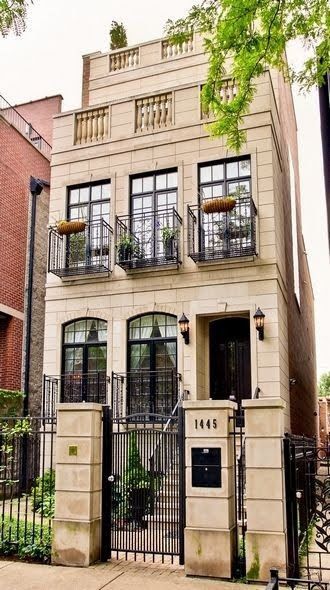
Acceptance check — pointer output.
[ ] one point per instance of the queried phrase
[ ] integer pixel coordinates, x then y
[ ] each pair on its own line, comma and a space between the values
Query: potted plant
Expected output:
137, 486
98, 251
169, 235
126, 247
76, 248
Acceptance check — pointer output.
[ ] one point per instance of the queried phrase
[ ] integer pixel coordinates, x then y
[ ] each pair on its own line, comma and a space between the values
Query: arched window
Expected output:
152, 363
84, 360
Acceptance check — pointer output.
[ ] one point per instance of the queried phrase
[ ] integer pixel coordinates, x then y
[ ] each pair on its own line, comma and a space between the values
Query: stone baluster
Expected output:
94, 116
184, 47
157, 111
163, 110
101, 124
106, 123
165, 45
151, 112
78, 128
146, 112
84, 128
139, 104
190, 44
169, 110
230, 90
137, 55
89, 132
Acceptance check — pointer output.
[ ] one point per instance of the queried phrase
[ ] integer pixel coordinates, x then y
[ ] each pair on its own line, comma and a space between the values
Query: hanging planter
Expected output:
65, 228
219, 205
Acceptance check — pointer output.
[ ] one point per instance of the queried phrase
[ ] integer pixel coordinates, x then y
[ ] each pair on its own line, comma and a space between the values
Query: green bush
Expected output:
25, 539
43, 494
11, 402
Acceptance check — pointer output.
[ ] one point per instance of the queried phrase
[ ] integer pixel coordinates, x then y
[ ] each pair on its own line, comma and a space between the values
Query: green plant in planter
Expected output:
169, 234
137, 486
127, 247
77, 248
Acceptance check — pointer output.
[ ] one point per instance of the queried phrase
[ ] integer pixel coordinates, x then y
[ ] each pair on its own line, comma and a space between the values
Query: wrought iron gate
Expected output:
143, 486
307, 484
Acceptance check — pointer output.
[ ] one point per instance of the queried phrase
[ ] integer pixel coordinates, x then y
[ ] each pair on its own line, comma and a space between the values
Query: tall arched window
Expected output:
84, 361
152, 364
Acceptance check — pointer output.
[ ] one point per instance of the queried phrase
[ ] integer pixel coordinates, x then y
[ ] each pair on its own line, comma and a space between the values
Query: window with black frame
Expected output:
90, 203
152, 364
84, 361
153, 201
225, 232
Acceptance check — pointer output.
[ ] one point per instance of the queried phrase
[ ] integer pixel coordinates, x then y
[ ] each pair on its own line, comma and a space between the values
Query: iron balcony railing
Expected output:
74, 388
144, 392
13, 117
215, 236
148, 239
83, 253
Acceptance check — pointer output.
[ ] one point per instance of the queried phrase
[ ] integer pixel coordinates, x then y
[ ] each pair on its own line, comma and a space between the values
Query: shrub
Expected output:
11, 402
25, 539
43, 494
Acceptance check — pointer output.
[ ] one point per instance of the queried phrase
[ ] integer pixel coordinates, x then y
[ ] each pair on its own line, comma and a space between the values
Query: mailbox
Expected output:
206, 467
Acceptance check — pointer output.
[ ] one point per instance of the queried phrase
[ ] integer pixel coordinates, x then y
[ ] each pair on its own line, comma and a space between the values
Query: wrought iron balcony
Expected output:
144, 392
148, 239
215, 236
74, 388
82, 253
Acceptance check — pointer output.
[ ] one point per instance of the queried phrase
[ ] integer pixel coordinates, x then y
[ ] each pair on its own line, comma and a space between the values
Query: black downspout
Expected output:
36, 186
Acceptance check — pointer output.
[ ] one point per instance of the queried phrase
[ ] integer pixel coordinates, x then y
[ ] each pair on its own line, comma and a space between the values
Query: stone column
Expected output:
78, 483
265, 498
210, 533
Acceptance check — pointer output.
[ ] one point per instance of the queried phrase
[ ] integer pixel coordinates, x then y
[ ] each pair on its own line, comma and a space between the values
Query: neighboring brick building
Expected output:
23, 153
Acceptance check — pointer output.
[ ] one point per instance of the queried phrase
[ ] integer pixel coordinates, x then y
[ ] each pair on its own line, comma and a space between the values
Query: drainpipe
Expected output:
36, 187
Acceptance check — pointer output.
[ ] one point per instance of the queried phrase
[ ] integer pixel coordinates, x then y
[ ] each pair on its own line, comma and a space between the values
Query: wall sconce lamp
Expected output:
259, 317
184, 328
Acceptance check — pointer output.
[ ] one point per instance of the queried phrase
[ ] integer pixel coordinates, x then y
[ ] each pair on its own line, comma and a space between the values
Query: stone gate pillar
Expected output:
78, 483
265, 499
210, 533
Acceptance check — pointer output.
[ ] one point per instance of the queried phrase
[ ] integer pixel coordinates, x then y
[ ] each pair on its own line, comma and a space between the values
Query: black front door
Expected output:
230, 364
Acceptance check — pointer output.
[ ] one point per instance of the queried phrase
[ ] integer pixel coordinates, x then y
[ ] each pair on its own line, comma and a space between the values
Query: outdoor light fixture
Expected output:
184, 328
259, 317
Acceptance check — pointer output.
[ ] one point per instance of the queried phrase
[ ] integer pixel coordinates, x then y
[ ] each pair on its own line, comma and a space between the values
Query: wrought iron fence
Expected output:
301, 457
144, 392
14, 118
74, 388
27, 486
237, 432
86, 252
275, 583
222, 235
148, 239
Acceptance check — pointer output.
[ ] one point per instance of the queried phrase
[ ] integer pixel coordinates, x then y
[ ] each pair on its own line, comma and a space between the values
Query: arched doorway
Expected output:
152, 364
84, 361
230, 359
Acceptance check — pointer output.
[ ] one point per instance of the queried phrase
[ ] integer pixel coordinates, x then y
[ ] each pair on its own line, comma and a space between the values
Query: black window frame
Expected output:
88, 203
225, 181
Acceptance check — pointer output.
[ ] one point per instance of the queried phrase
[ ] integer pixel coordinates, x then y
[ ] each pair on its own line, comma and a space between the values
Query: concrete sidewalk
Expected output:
117, 575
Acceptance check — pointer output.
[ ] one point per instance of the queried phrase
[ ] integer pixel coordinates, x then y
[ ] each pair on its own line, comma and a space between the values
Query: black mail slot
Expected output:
206, 467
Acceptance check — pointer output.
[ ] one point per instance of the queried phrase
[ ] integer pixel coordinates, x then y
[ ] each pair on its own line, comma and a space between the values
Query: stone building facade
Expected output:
23, 153
141, 137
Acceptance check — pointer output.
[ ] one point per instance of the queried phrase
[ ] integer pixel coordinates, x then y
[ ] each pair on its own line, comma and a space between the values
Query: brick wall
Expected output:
301, 330
40, 114
11, 331
18, 161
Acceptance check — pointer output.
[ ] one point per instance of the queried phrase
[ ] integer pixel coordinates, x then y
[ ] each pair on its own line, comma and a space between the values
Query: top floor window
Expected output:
89, 201
219, 179
154, 192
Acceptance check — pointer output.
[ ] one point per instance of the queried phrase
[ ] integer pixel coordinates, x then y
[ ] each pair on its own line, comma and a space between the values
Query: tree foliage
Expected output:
118, 36
13, 16
252, 35
324, 385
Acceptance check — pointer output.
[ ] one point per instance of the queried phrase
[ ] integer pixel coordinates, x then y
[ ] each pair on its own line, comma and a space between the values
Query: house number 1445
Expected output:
206, 423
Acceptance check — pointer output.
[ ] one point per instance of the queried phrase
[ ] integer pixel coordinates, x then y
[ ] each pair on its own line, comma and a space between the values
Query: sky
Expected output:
46, 60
